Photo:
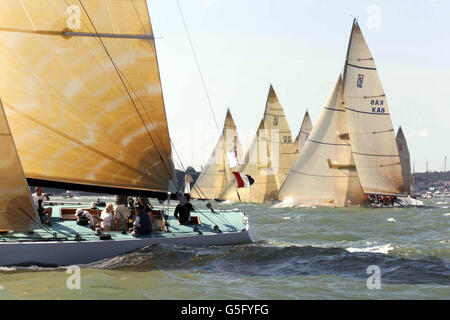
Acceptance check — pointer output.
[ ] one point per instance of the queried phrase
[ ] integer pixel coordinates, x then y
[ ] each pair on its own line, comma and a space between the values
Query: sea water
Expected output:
299, 253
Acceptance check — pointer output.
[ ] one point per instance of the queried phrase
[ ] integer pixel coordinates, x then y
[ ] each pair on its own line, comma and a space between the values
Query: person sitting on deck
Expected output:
142, 224
144, 203
121, 214
107, 218
39, 200
183, 210
84, 218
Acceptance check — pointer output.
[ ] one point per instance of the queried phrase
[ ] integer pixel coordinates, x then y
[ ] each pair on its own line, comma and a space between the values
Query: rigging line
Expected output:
201, 76
200, 192
195, 187
99, 40
128, 92
198, 64
180, 162
384, 131
156, 57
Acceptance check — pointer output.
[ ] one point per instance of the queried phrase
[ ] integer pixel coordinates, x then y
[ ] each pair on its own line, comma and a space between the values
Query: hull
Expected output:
57, 246
63, 253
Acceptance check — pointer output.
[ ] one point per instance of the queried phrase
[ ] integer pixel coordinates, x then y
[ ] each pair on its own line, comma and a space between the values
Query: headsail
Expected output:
257, 165
403, 151
281, 148
81, 88
305, 131
370, 126
324, 173
17, 211
216, 174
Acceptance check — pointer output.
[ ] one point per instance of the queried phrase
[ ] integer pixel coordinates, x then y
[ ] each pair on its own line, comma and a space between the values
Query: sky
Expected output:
299, 47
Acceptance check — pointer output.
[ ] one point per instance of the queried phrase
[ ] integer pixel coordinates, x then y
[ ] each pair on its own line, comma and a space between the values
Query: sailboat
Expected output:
325, 174
371, 164
405, 160
269, 157
217, 173
81, 90
303, 134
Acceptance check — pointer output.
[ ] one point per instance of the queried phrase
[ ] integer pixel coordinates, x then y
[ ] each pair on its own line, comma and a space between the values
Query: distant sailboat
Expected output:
352, 150
305, 131
216, 174
81, 88
269, 157
324, 174
403, 151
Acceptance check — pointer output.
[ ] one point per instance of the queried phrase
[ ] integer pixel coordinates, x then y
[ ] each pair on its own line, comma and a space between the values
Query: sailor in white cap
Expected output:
80, 212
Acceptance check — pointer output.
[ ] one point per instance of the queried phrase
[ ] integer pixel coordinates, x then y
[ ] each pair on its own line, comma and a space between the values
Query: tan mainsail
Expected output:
257, 165
324, 173
216, 174
370, 126
17, 211
81, 88
403, 151
305, 131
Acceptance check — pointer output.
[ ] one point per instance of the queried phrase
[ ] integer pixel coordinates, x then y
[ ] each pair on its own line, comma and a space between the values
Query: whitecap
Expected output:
375, 249
290, 203
391, 220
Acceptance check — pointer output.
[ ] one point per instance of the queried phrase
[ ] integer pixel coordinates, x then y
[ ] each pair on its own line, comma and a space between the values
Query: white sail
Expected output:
269, 158
370, 126
282, 152
403, 151
305, 131
324, 173
216, 175
257, 165
17, 211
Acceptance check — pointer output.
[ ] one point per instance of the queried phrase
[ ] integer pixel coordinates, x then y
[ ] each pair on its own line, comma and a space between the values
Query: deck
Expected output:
227, 221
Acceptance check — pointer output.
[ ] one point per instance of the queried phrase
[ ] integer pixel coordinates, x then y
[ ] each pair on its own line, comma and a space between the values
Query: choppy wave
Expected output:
269, 259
